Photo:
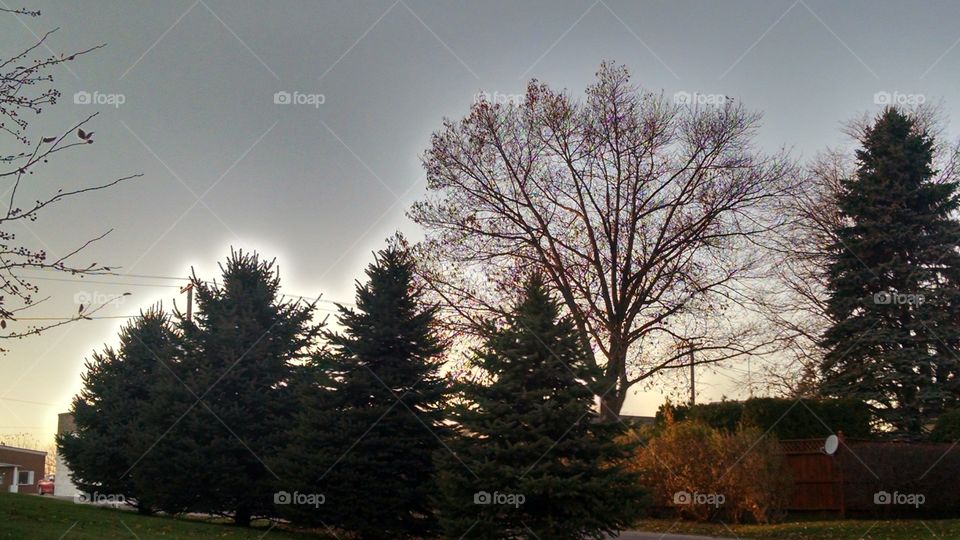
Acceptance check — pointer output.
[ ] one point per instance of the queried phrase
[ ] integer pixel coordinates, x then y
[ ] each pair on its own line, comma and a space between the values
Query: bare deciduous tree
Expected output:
26, 89
796, 305
642, 213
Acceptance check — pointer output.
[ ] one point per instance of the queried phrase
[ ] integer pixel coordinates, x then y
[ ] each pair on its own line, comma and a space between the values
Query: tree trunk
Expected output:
242, 517
610, 407
612, 388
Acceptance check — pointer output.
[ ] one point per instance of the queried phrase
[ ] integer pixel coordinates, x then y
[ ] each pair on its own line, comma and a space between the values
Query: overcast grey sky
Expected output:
321, 186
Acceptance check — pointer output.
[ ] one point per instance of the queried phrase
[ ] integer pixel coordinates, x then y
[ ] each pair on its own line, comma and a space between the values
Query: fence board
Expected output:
817, 478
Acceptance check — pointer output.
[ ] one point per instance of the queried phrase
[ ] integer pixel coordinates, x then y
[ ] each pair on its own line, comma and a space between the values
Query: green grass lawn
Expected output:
41, 518
826, 530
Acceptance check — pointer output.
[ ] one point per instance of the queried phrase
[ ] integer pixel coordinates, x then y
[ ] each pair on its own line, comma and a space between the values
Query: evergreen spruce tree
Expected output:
373, 416
114, 428
168, 468
533, 460
894, 277
243, 348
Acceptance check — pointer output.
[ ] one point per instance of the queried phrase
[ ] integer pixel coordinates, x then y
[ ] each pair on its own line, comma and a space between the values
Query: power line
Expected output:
105, 317
28, 401
82, 279
147, 276
111, 273
119, 274
98, 282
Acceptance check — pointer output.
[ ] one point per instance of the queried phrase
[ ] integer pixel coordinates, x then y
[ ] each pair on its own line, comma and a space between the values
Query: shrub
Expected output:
947, 428
704, 473
758, 483
719, 414
808, 419
683, 459
785, 418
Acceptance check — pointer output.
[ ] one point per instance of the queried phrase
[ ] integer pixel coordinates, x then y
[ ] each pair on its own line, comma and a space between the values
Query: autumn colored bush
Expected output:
758, 482
706, 474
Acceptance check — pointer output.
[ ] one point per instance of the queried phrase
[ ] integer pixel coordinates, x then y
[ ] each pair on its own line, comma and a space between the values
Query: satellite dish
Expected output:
831, 445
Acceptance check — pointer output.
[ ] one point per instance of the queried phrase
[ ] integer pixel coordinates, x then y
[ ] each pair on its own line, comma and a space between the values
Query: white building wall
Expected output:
14, 487
62, 485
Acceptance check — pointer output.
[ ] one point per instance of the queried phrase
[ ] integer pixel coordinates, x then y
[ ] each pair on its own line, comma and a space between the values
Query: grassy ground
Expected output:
826, 530
43, 518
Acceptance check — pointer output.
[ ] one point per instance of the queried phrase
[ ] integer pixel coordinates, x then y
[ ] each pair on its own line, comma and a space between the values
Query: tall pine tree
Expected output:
243, 349
114, 411
533, 459
894, 279
373, 417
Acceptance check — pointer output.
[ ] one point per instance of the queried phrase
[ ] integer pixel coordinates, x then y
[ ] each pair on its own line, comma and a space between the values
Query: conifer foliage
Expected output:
244, 411
533, 460
114, 409
894, 278
242, 352
373, 417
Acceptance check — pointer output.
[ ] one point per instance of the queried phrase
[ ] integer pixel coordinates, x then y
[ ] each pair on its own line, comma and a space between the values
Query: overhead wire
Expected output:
82, 280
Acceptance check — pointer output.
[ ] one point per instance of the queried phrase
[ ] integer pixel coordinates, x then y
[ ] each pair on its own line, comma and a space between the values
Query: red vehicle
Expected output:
45, 486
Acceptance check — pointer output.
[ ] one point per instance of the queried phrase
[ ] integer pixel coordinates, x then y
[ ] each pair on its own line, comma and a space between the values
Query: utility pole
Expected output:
693, 383
189, 290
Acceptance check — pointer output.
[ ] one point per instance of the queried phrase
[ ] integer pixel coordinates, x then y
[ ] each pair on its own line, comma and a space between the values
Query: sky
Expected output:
192, 94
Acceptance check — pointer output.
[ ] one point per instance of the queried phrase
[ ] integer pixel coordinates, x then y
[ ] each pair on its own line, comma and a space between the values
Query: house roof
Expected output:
24, 450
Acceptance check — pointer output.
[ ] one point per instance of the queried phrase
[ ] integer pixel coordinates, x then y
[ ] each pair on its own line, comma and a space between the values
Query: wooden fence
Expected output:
846, 481
817, 477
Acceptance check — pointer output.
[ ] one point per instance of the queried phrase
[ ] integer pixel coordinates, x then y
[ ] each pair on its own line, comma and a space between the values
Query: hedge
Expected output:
947, 428
785, 418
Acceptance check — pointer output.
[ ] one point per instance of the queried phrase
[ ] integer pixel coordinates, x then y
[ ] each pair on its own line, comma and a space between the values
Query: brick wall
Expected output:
28, 460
